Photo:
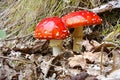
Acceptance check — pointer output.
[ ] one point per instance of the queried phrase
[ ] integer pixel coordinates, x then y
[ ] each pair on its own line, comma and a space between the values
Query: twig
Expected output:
106, 7
15, 59
101, 60
102, 8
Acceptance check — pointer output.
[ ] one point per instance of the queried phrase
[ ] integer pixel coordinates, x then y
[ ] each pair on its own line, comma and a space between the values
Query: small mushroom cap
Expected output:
51, 28
81, 18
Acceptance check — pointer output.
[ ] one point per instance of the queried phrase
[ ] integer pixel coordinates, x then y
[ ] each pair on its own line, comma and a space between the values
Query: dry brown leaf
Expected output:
93, 70
45, 66
80, 76
90, 45
116, 59
105, 46
115, 75
95, 46
87, 45
95, 57
73, 72
91, 78
77, 60
95, 43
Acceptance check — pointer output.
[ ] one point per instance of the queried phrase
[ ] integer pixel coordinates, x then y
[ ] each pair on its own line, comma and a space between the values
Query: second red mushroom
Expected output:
77, 20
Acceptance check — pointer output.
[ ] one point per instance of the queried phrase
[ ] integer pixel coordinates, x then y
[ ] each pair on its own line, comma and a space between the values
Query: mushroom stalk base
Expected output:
77, 39
57, 46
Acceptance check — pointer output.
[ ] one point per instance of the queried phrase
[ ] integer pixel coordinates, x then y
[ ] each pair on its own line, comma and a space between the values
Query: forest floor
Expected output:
22, 57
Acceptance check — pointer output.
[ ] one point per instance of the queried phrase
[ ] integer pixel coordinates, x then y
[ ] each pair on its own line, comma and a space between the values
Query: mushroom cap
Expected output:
81, 18
51, 28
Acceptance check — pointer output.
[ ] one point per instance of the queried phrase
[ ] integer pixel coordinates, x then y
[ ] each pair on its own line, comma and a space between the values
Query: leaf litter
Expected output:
16, 63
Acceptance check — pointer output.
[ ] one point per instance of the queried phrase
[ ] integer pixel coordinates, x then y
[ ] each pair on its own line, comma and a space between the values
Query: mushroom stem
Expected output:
57, 46
77, 39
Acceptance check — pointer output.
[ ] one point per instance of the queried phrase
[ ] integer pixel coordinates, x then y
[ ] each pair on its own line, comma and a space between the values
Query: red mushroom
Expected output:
77, 20
52, 29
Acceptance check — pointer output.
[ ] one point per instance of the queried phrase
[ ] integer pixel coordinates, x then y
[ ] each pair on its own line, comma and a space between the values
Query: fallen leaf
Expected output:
115, 75
87, 45
91, 78
95, 57
90, 45
116, 59
80, 76
73, 72
77, 60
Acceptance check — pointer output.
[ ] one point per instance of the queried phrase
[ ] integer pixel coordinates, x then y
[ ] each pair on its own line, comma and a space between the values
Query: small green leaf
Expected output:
2, 34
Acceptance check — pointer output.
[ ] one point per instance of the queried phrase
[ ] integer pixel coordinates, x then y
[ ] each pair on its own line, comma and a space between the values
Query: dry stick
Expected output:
106, 7
102, 8
114, 64
15, 59
101, 60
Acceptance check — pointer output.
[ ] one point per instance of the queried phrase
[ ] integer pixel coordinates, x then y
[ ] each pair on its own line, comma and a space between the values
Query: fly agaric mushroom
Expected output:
77, 20
52, 29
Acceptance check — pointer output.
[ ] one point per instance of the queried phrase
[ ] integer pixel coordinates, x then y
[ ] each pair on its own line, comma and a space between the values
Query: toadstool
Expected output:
77, 20
52, 29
